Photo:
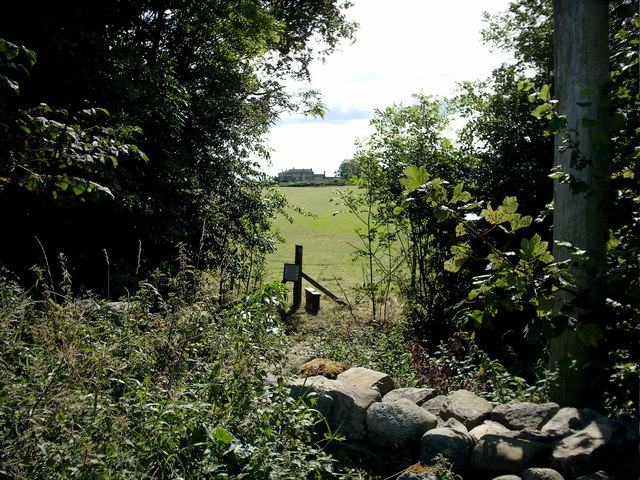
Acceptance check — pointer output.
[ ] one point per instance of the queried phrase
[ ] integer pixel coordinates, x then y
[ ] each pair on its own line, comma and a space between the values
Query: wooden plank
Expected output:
327, 292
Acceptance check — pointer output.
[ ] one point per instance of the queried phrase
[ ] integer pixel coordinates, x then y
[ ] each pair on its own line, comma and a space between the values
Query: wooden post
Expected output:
297, 286
312, 301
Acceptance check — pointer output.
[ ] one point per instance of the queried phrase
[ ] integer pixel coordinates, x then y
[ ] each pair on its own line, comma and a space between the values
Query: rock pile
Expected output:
512, 441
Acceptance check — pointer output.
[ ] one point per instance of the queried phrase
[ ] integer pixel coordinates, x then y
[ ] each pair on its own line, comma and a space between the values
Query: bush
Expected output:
92, 392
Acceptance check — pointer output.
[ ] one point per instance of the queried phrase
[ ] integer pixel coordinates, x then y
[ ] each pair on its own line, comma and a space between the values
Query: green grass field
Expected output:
326, 239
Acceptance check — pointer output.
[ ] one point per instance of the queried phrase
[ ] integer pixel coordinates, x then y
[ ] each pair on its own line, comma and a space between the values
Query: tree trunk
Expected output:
581, 70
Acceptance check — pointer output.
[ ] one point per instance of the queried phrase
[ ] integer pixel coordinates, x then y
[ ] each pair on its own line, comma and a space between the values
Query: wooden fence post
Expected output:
297, 286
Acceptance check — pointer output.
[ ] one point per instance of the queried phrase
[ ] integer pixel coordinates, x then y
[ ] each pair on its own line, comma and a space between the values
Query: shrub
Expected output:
91, 392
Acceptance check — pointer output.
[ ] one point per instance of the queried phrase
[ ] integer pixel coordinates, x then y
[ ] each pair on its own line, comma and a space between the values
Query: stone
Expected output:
500, 454
368, 379
600, 475
452, 444
436, 405
455, 425
569, 420
507, 477
344, 406
541, 474
467, 407
315, 392
321, 366
398, 424
349, 410
489, 427
587, 450
524, 415
295, 361
416, 395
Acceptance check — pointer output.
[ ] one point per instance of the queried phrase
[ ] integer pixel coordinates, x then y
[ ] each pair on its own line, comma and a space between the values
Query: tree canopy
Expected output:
195, 85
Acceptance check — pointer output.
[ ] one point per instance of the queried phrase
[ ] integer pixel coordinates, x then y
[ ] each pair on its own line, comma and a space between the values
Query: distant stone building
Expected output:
300, 175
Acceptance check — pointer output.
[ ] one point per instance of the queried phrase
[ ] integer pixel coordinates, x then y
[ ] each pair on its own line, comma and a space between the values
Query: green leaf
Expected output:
223, 435
543, 110
520, 222
415, 177
545, 94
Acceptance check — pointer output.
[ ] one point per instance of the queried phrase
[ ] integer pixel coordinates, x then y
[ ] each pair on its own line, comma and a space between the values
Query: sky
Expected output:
402, 47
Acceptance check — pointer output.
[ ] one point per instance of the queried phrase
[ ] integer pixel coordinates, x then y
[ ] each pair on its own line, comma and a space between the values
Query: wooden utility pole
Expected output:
581, 71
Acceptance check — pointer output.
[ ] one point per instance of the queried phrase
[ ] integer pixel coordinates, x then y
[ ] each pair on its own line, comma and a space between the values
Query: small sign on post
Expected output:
292, 272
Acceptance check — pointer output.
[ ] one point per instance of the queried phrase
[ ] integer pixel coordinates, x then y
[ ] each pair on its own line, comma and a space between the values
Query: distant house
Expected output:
300, 175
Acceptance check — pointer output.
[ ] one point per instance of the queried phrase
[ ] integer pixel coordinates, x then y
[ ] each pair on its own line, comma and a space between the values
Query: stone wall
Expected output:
516, 440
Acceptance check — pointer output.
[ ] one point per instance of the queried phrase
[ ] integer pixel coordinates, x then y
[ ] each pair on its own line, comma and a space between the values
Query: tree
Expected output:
348, 168
581, 74
204, 81
411, 137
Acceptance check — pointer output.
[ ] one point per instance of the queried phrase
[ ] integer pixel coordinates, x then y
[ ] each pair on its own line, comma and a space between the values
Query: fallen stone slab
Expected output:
398, 424
499, 454
467, 407
524, 415
452, 444
416, 395
365, 378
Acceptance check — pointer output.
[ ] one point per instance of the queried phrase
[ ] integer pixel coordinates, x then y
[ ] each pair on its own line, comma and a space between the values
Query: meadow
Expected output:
326, 232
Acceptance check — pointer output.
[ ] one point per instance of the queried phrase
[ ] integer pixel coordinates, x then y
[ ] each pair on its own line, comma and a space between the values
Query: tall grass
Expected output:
148, 391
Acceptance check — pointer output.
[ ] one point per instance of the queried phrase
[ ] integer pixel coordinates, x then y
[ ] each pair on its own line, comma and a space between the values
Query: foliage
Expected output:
148, 391
348, 168
459, 363
42, 149
204, 81
410, 137
348, 338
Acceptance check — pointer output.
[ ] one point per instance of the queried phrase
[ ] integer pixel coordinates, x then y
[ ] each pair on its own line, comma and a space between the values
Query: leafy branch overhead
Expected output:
47, 149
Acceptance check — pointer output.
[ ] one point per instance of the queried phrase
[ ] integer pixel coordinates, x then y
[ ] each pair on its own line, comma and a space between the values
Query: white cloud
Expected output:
402, 47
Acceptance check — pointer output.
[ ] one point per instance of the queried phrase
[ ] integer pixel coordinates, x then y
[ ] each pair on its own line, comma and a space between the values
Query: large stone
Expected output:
467, 407
315, 391
499, 454
507, 477
344, 406
524, 415
541, 474
569, 420
488, 428
416, 395
452, 444
436, 405
398, 424
367, 379
587, 450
